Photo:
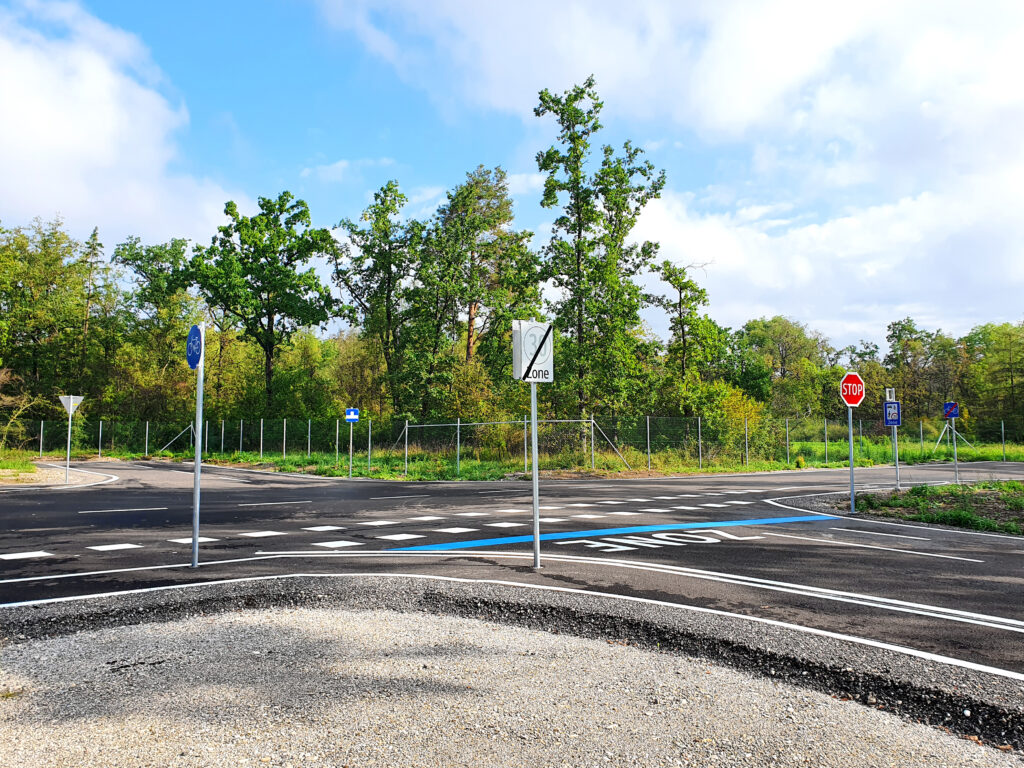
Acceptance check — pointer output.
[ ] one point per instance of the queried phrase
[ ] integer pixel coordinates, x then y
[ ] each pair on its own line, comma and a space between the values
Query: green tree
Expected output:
251, 271
588, 257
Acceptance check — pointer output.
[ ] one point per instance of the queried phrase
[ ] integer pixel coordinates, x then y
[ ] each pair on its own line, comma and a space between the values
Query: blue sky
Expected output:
844, 166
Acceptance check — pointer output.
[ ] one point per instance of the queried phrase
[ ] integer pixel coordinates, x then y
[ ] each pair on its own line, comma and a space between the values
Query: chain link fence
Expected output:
644, 442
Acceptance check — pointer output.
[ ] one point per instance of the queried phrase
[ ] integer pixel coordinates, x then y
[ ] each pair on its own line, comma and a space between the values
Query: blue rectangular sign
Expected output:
891, 413
951, 410
351, 414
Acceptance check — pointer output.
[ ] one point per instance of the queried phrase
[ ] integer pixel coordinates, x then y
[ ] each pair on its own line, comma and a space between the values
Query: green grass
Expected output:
16, 462
996, 506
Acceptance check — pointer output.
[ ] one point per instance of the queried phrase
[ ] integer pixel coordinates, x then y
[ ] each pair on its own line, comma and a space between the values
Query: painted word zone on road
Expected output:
658, 540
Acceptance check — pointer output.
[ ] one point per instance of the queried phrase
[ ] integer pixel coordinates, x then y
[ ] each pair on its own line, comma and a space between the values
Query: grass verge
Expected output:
995, 506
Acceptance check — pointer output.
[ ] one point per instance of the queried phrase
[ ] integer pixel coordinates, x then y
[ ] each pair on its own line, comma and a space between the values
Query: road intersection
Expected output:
754, 545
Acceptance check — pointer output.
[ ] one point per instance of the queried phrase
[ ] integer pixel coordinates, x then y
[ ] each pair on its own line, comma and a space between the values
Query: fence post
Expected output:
526, 458
1002, 436
861, 422
147, 439
222, 437
206, 436
309, 436
241, 431
458, 445
369, 446
100, 441
337, 431
593, 460
406, 447
648, 443
787, 441
746, 443
921, 425
284, 439
826, 441
261, 439
41, 427
700, 447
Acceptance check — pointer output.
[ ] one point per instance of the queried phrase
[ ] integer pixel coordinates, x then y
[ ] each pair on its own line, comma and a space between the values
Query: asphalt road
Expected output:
739, 544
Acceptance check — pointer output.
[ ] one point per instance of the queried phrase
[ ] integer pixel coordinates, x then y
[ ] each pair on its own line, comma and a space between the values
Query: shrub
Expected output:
800, 462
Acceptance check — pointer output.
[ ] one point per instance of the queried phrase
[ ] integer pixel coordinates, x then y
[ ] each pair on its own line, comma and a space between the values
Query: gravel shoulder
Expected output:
315, 671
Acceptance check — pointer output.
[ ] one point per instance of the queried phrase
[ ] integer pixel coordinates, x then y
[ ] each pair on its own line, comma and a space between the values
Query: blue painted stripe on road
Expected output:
609, 532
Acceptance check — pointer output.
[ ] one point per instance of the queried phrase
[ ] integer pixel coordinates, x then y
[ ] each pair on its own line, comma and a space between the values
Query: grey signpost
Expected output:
70, 403
533, 360
893, 418
351, 416
851, 390
195, 354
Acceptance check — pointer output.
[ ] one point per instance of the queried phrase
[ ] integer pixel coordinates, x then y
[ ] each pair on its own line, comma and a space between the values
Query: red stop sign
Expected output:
851, 389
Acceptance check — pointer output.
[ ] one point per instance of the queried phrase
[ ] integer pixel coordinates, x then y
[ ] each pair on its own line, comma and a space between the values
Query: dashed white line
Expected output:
401, 536
426, 518
655, 509
611, 502
623, 513
718, 506
132, 509
455, 530
471, 514
201, 540
262, 534
876, 533
588, 517
690, 509
552, 519
505, 525
25, 555
324, 528
114, 547
380, 522
872, 546
512, 511
406, 496
273, 503
338, 544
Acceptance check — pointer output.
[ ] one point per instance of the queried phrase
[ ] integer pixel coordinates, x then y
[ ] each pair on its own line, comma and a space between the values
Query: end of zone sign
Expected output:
533, 358
851, 389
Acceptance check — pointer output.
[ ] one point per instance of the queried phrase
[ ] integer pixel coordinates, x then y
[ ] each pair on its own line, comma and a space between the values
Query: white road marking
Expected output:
1009, 674
323, 528
509, 491
688, 496
549, 508
407, 496
623, 513
201, 540
588, 517
401, 536
135, 509
114, 547
455, 530
688, 509
638, 500
25, 555
272, 503
717, 506
380, 522
876, 533
513, 510
579, 504
739, 502
505, 525
551, 519
262, 534
655, 509
872, 546
611, 502
471, 514
665, 498
426, 518
337, 544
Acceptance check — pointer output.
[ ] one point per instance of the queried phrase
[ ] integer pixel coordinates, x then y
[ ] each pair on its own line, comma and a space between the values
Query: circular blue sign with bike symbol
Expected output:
194, 347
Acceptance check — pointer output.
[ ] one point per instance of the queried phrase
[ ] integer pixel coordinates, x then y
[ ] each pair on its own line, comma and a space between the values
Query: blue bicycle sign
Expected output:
194, 347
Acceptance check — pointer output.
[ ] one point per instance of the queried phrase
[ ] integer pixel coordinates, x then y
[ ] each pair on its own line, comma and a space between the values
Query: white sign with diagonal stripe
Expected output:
533, 356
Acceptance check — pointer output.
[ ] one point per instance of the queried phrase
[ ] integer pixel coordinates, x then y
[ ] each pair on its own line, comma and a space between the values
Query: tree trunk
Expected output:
470, 328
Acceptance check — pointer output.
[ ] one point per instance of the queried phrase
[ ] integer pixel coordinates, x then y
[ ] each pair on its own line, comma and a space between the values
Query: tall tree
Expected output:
683, 308
588, 257
251, 271
376, 273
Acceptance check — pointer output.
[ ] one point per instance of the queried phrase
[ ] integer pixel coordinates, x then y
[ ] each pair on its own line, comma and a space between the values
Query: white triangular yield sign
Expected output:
70, 402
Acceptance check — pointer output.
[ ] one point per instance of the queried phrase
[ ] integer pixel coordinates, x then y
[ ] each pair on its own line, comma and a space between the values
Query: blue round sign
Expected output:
194, 347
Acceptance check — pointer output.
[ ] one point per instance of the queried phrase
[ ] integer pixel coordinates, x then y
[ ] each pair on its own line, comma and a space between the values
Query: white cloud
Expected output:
87, 132
525, 183
342, 170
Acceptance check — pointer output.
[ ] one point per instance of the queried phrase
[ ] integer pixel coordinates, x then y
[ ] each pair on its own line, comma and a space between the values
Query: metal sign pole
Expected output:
406, 447
526, 460
896, 454
787, 441
458, 446
849, 418
99, 443
337, 433
42, 426
198, 464
648, 443
309, 436
147, 439
67, 465
700, 447
536, 476
369, 446
261, 439
956, 465
350, 449
284, 440
593, 461
746, 444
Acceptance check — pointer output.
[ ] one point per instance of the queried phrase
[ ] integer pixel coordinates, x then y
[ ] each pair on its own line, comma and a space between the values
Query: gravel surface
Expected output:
329, 686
